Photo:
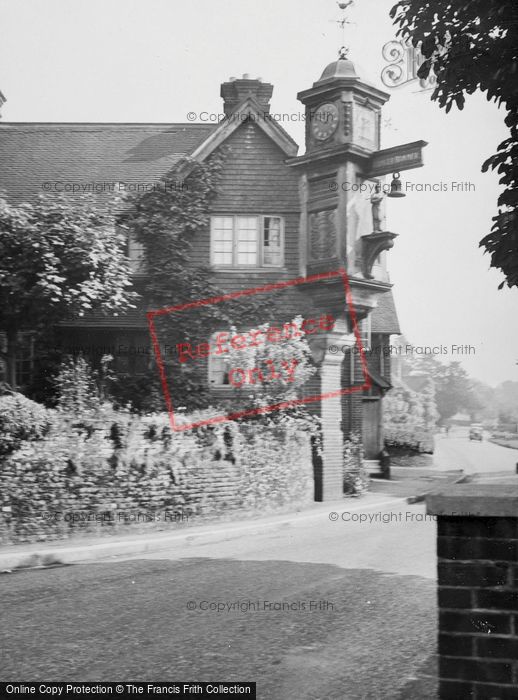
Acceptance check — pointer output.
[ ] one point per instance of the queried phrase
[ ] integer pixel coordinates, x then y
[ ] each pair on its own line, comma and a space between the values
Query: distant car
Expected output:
476, 432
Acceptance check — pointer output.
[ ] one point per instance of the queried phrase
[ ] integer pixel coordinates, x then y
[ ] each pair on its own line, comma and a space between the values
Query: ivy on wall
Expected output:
166, 222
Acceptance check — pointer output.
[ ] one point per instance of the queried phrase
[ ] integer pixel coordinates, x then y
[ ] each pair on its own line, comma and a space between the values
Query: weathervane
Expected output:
344, 6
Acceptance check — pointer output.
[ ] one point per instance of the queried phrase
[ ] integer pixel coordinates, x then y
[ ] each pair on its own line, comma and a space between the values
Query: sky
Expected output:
158, 60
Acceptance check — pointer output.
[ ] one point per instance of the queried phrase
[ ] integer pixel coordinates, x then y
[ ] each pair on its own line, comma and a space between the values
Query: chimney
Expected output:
2, 101
236, 90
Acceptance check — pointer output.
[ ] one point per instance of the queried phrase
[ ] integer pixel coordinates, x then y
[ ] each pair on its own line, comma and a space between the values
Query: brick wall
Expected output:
332, 436
477, 591
352, 411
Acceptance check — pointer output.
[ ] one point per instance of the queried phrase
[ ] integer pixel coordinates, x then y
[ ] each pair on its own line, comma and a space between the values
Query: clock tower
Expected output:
342, 189
338, 190
342, 110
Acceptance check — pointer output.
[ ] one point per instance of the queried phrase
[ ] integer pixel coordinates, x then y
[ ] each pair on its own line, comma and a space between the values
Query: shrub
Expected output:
78, 393
355, 477
21, 419
294, 351
409, 418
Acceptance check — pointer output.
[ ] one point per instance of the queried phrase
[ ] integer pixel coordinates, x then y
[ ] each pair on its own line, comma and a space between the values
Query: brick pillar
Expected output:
352, 406
328, 350
477, 548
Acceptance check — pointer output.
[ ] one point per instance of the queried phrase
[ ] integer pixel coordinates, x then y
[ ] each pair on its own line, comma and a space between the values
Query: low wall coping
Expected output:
475, 500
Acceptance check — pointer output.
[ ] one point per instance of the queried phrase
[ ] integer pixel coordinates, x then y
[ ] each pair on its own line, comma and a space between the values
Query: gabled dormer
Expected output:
246, 102
256, 213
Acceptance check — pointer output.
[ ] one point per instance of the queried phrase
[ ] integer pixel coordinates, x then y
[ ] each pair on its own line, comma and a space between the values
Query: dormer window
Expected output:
247, 241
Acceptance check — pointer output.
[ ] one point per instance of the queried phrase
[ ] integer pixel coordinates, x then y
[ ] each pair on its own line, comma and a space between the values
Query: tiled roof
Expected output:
384, 317
378, 380
34, 154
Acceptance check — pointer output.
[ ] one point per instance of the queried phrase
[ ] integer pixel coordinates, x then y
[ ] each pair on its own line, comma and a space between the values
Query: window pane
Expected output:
365, 332
272, 252
221, 259
218, 369
221, 240
24, 359
222, 222
246, 242
247, 222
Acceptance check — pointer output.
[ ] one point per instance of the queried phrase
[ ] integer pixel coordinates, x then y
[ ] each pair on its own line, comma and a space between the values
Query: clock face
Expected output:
324, 121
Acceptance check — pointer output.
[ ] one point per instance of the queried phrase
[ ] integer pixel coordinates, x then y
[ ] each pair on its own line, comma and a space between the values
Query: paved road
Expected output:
458, 452
360, 621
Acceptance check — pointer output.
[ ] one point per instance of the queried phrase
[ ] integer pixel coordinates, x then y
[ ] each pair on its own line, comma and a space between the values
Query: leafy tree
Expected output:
506, 398
487, 398
430, 412
58, 258
473, 45
454, 391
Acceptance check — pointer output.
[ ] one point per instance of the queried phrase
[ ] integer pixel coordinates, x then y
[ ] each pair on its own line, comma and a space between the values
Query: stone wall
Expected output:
83, 479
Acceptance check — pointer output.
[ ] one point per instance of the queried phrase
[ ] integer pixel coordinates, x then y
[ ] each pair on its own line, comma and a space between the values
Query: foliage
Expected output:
276, 387
473, 45
430, 414
355, 477
143, 392
285, 366
58, 258
46, 363
487, 397
506, 399
409, 418
267, 452
505, 434
21, 420
454, 392
78, 392
165, 222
